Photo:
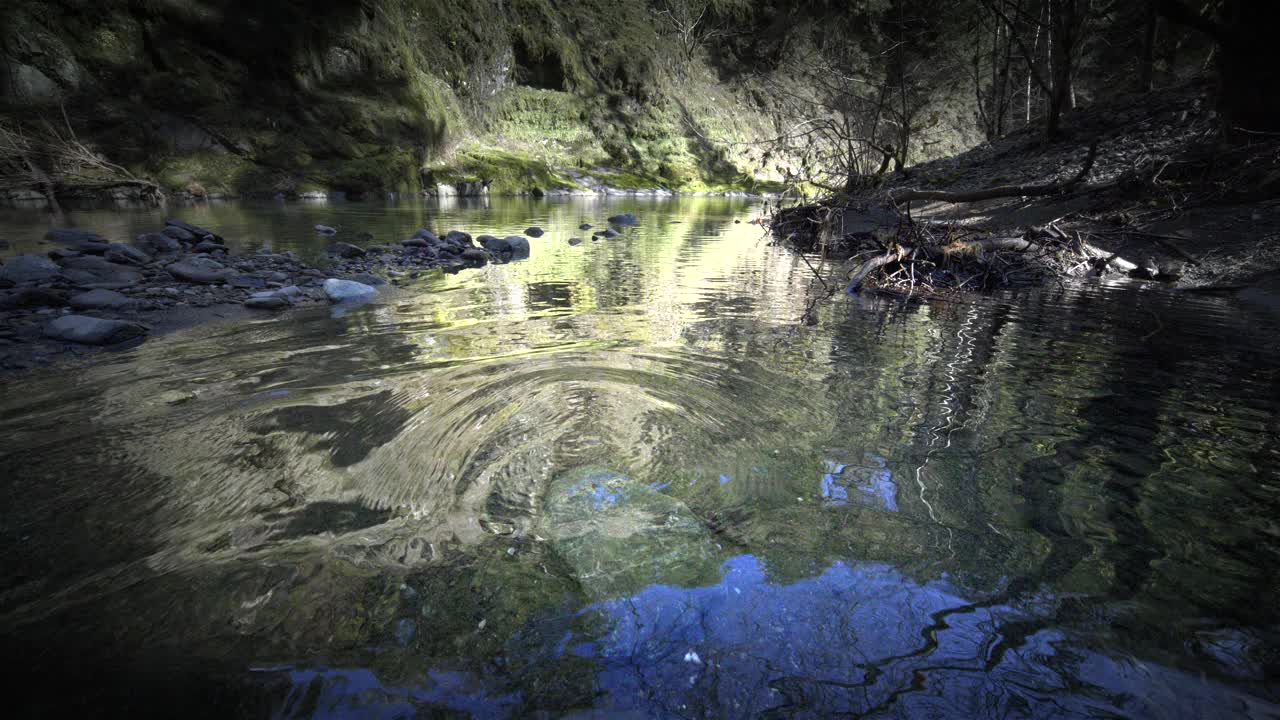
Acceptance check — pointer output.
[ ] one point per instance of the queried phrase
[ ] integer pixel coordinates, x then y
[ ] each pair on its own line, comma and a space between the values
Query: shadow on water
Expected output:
622, 477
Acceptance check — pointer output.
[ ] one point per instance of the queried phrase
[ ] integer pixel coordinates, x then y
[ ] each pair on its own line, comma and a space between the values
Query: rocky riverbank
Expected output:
90, 293
1142, 187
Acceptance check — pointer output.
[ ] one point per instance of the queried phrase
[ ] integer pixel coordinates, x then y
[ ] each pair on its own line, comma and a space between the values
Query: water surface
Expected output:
624, 477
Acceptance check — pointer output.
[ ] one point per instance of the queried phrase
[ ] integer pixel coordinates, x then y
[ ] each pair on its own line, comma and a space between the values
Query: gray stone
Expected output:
343, 290
100, 299
246, 281
623, 219
209, 246
93, 247
416, 242
92, 331
121, 253
519, 246
271, 302
157, 244
29, 269
326, 230
575, 241
584, 226
345, 250
179, 234
608, 234
457, 237
32, 297
94, 272
475, 257
425, 234
195, 230
534, 232
199, 270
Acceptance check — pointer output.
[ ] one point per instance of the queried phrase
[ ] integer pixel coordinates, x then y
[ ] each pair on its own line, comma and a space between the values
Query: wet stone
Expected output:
92, 331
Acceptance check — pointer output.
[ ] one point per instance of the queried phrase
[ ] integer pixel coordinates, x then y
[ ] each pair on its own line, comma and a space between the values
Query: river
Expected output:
624, 477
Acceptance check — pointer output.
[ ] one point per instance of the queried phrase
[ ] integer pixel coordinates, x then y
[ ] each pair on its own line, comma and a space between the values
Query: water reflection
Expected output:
855, 640
623, 477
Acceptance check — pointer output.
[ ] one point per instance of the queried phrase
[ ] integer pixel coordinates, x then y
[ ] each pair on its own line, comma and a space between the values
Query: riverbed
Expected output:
627, 476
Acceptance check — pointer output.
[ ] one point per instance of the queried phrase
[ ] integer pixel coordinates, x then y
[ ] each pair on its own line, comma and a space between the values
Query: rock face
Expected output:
620, 536
92, 331
29, 269
623, 219
199, 270
345, 290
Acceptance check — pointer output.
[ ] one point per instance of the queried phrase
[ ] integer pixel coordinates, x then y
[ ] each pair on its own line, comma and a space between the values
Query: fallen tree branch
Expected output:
870, 266
1001, 190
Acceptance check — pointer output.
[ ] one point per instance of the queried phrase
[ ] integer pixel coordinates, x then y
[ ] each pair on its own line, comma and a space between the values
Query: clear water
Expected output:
624, 479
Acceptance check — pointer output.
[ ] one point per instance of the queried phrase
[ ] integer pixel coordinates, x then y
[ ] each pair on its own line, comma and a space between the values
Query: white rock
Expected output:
344, 290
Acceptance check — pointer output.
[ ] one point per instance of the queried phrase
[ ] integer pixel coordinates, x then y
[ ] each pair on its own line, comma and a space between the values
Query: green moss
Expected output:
506, 173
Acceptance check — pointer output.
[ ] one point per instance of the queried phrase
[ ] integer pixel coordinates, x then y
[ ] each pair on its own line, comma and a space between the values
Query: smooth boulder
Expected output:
200, 270
157, 244
195, 230
96, 272
92, 331
519, 246
100, 299
534, 232
345, 290
29, 269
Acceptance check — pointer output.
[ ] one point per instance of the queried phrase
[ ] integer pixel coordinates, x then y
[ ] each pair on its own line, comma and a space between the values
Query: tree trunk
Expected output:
1249, 66
1147, 73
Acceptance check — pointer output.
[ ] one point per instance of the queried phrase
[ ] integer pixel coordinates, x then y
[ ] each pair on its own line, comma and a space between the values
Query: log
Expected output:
870, 266
1001, 190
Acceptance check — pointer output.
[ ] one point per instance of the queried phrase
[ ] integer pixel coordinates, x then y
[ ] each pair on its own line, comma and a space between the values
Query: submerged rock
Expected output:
268, 301
623, 219
575, 241
92, 331
344, 290
345, 250
585, 226
534, 232
607, 234
200, 270
68, 236
29, 269
620, 536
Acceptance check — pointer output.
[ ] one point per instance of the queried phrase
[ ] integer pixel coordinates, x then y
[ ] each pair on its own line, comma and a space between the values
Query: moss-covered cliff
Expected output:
288, 96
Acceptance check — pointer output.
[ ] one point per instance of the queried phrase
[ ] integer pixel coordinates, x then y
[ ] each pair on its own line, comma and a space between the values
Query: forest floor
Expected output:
1163, 192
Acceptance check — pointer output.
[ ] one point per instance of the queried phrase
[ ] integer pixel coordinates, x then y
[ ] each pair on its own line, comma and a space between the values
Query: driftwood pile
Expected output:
913, 257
